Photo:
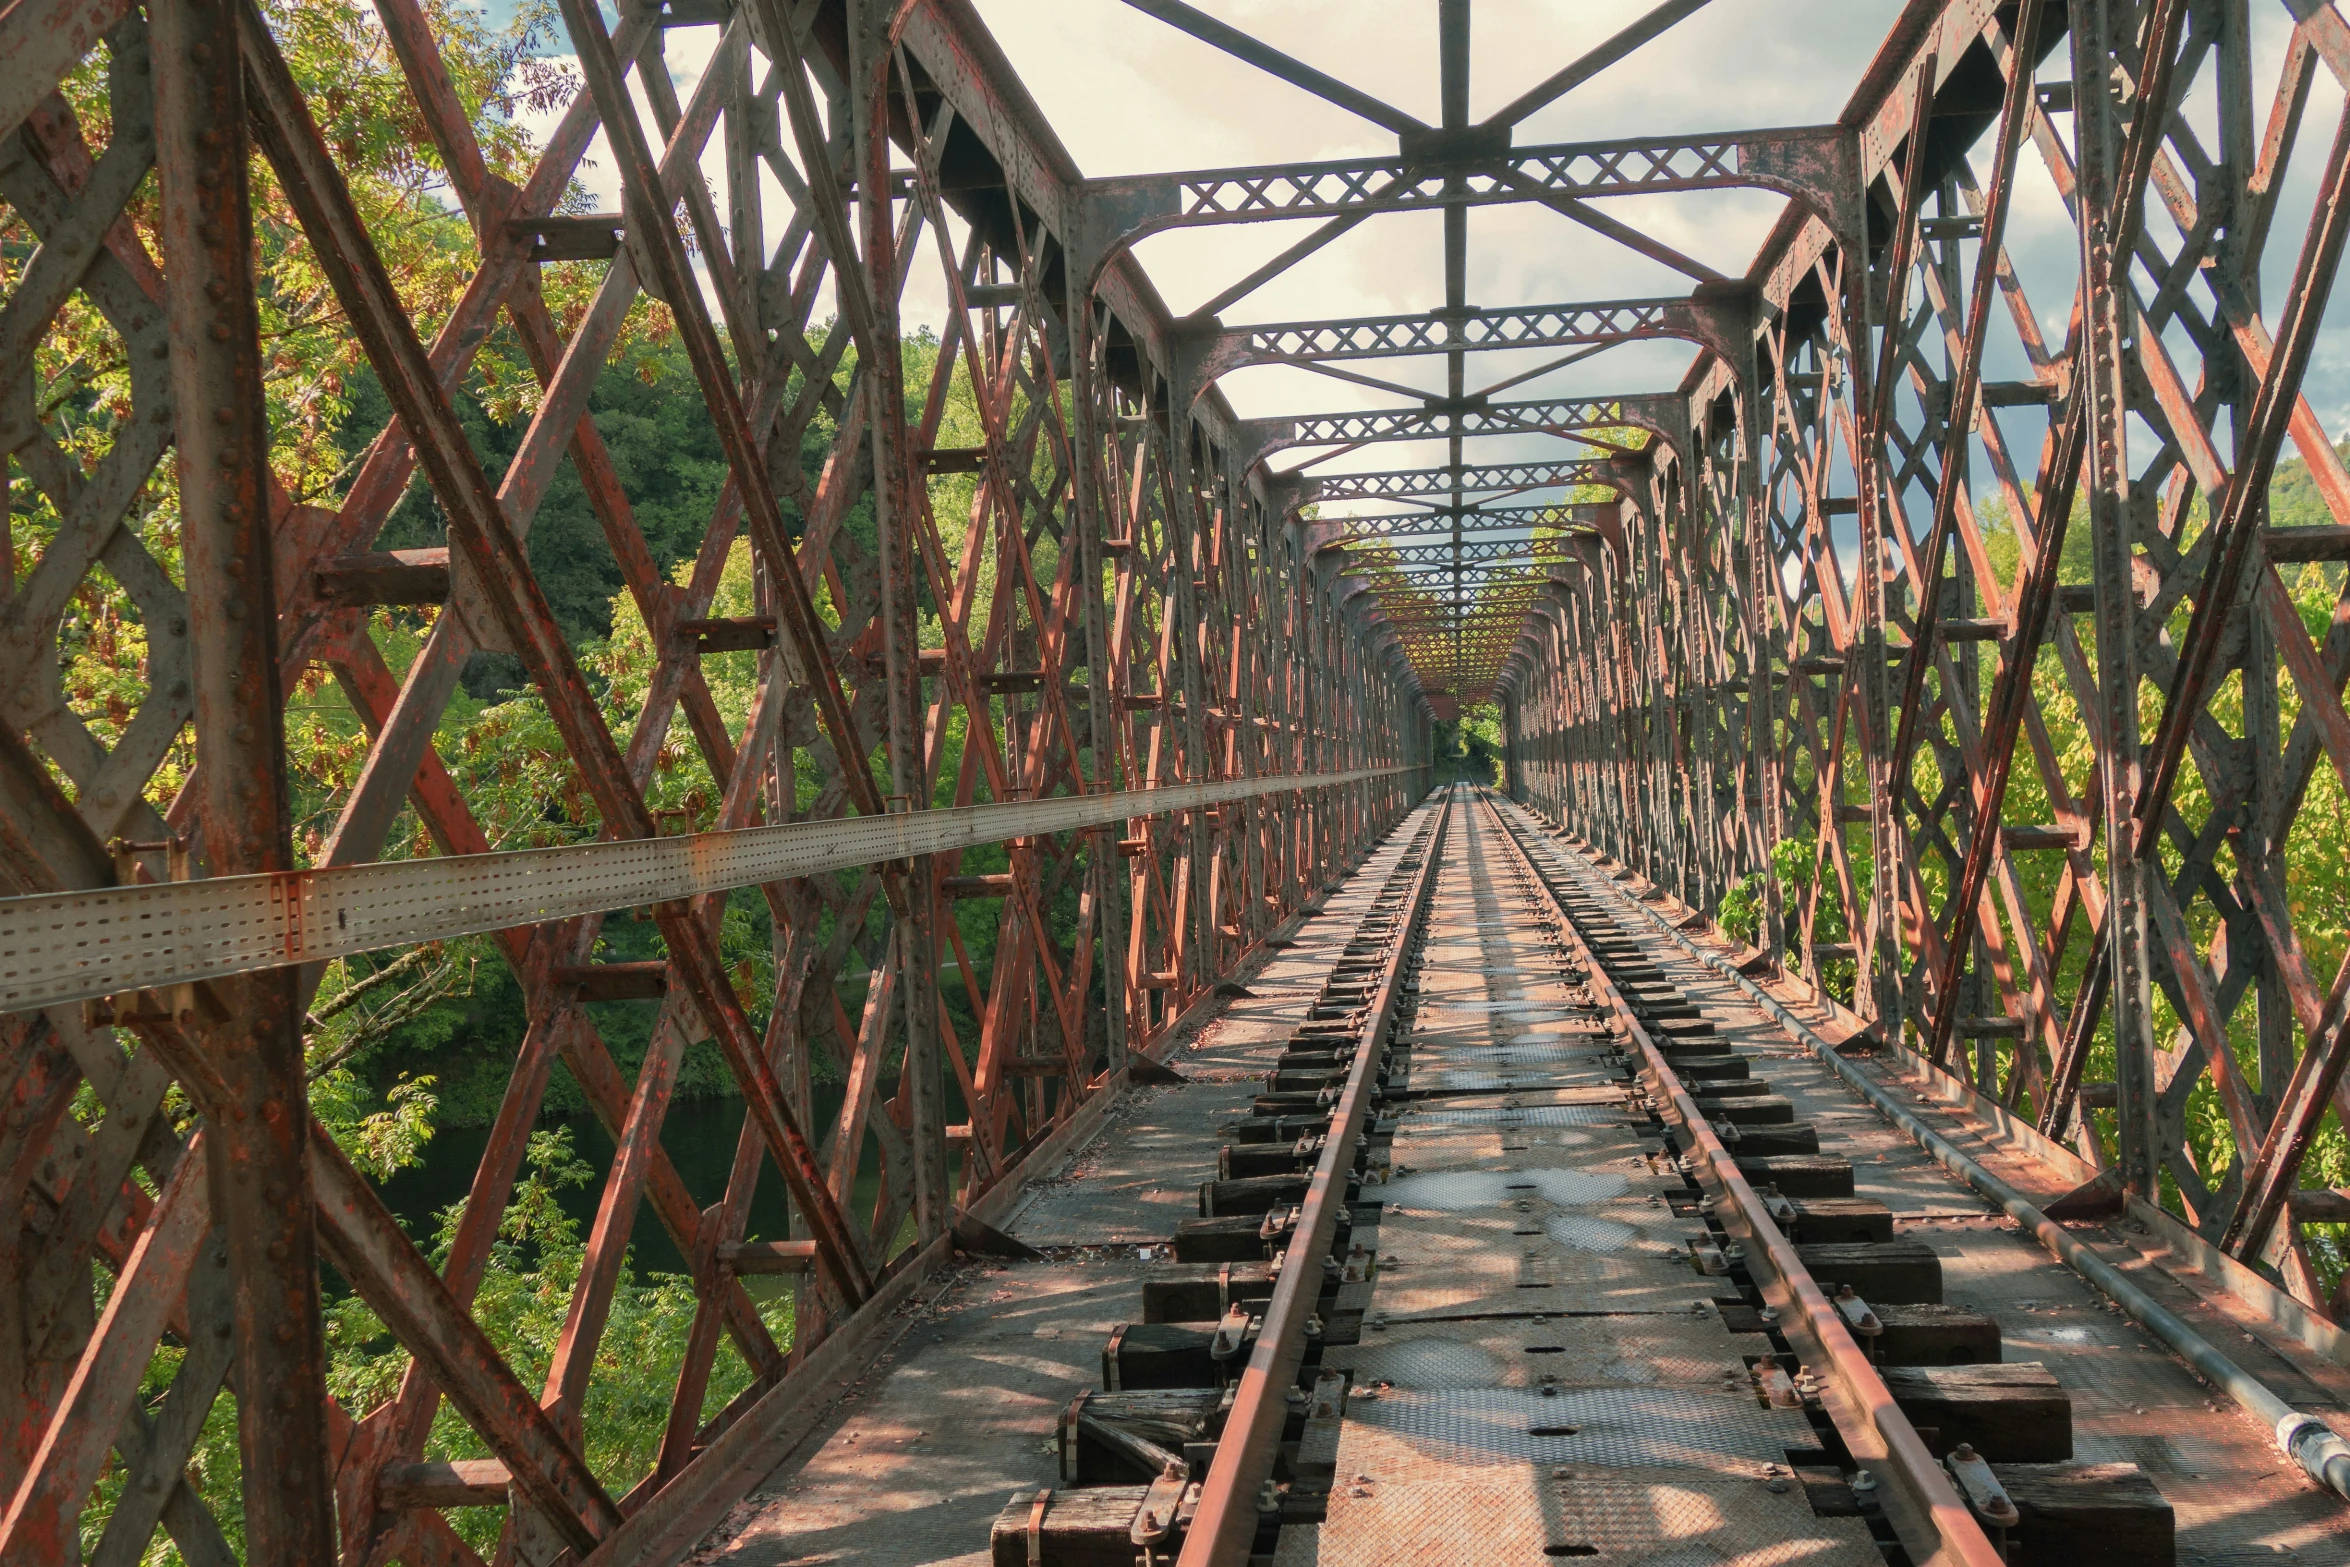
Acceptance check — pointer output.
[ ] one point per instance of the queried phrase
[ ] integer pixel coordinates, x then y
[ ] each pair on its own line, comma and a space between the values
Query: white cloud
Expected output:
1128, 94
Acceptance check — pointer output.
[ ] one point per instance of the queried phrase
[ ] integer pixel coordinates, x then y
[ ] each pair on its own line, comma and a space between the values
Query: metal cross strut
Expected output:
1010, 692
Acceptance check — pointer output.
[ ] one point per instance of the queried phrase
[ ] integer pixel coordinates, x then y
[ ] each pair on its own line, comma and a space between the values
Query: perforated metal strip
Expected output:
70, 946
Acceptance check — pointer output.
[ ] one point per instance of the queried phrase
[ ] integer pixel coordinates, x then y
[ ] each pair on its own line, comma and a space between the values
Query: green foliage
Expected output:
380, 1029
1794, 862
1471, 746
2313, 857
1742, 909
522, 1304
322, 402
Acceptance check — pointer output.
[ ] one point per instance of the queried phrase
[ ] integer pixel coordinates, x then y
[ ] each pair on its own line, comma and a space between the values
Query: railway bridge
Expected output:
1859, 1079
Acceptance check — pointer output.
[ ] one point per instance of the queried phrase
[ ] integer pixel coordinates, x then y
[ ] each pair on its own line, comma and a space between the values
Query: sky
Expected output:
1129, 94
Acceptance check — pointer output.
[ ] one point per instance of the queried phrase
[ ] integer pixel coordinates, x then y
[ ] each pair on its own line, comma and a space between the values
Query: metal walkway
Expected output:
1543, 1369
1549, 1327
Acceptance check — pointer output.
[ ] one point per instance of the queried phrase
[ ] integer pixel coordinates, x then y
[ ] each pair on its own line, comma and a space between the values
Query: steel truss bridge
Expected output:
2002, 708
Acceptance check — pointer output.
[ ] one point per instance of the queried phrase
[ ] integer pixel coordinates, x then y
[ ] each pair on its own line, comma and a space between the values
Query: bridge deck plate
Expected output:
1534, 1241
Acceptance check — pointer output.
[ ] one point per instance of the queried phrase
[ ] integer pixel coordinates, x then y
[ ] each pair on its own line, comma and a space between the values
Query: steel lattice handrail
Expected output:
72, 946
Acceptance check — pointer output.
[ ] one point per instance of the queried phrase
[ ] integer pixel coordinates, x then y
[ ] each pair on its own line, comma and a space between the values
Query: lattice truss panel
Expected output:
1112, 601
1961, 644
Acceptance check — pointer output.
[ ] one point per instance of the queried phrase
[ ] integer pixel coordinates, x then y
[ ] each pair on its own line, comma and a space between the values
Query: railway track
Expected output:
1528, 1237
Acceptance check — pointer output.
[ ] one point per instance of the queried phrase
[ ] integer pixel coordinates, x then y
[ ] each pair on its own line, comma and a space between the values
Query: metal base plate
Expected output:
1519, 1516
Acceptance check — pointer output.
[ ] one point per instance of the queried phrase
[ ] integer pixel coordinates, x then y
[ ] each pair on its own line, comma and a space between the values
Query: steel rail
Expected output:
2304, 1438
1224, 1526
72, 946
1860, 1394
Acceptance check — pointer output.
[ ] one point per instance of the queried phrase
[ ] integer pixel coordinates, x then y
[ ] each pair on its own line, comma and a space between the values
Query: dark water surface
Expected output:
699, 1135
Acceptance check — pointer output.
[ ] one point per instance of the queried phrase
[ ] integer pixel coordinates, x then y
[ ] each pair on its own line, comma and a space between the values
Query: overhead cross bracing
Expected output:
1452, 163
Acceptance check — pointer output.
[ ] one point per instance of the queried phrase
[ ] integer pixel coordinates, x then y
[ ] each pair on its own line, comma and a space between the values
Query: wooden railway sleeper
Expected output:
1943, 1367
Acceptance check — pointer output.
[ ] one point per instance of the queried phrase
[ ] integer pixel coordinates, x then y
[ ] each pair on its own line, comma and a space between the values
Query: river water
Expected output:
699, 1135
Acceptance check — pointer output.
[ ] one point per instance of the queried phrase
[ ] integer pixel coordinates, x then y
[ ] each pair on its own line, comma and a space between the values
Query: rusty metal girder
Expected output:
1435, 420
1806, 629
1717, 321
1463, 166
1062, 688
1512, 477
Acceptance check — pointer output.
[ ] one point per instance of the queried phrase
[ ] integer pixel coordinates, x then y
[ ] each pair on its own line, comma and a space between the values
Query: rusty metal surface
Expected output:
1843, 623
1672, 1516
66, 947
1225, 1524
1921, 1502
2132, 1401
1541, 1367
920, 1457
1810, 602
1248, 665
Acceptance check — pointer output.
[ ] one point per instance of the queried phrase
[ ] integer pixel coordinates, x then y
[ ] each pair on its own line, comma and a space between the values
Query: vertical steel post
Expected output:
896, 501
259, 1142
2105, 344
1091, 418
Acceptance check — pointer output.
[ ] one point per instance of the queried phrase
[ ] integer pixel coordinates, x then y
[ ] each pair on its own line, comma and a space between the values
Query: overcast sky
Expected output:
1128, 94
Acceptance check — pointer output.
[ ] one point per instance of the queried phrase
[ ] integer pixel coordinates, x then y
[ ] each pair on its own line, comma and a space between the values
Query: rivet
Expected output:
285, 1330
277, 1251
219, 332
71, 244
217, 289
236, 609
161, 350
224, 414
214, 234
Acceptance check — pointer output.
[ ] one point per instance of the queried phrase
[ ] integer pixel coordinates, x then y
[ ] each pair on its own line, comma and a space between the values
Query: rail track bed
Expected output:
1490, 1223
